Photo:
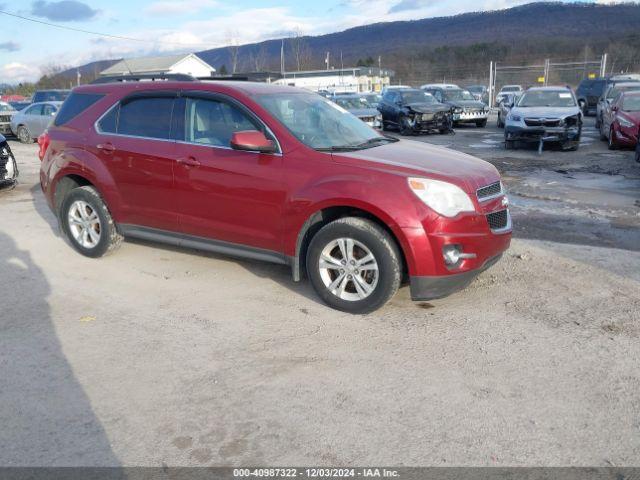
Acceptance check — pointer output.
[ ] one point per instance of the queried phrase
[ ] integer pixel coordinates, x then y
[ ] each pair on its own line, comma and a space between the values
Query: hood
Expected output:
365, 112
633, 116
427, 107
466, 103
545, 112
412, 158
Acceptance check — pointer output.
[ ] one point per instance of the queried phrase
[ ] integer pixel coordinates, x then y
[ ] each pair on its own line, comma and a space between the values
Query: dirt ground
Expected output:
156, 355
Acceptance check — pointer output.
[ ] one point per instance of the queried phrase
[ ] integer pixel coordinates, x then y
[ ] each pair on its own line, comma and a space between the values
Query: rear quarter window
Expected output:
74, 105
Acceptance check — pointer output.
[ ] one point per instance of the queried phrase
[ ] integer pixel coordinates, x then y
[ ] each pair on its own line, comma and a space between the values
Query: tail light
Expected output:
43, 141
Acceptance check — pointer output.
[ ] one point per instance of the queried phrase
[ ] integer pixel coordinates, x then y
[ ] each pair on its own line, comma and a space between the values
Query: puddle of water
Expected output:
580, 188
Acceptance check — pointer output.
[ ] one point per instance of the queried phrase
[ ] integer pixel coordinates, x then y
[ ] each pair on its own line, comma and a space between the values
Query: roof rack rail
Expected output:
179, 77
237, 78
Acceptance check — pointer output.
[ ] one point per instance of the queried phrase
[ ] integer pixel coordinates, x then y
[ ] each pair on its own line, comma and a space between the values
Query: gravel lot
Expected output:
159, 355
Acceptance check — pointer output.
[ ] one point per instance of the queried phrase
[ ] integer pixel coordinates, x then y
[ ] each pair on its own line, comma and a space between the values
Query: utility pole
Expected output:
603, 65
491, 81
326, 60
546, 71
282, 58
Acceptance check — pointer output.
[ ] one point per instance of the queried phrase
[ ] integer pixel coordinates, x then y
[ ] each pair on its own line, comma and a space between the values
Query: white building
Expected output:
189, 64
358, 79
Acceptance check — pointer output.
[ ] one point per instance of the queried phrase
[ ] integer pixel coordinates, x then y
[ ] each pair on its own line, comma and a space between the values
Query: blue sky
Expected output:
169, 26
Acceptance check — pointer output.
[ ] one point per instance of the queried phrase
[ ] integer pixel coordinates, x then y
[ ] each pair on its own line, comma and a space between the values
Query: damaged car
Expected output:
545, 114
6, 113
463, 105
413, 111
359, 106
8, 165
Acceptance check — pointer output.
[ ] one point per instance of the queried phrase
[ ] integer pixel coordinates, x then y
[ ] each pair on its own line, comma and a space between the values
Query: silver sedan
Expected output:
31, 122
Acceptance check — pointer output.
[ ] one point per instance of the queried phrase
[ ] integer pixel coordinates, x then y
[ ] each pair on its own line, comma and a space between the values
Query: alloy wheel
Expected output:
348, 269
84, 224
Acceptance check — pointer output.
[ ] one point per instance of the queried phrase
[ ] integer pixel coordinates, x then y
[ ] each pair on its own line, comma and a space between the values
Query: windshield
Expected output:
547, 98
632, 104
614, 91
318, 122
476, 89
373, 99
353, 103
510, 89
455, 95
5, 107
416, 96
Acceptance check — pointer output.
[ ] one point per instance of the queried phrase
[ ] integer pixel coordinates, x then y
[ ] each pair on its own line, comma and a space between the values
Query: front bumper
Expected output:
547, 134
424, 123
470, 117
434, 287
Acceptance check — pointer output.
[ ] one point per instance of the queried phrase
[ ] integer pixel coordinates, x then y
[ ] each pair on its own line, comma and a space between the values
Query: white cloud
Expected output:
15, 72
169, 8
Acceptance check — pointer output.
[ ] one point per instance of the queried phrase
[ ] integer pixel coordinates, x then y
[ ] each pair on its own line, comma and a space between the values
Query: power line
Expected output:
100, 34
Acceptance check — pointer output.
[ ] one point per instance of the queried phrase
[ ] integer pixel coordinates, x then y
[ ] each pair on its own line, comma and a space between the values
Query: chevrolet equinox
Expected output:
271, 173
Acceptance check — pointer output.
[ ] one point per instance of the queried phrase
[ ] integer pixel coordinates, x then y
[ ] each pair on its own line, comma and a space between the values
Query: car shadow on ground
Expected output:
46, 417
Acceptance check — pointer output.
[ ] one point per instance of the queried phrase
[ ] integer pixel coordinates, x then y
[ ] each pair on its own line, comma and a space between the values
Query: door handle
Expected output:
106, 147
188, 162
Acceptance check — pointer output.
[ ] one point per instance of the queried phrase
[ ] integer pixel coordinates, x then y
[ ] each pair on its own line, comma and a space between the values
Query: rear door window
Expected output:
48, 110
146, 117
75, 105
34, 110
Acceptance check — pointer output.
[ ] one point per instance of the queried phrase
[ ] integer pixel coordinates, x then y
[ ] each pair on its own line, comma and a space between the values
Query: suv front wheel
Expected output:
87, 223
354, 265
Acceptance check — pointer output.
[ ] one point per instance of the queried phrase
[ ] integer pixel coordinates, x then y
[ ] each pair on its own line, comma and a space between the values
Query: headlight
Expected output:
514, 118
624, 122
444, 198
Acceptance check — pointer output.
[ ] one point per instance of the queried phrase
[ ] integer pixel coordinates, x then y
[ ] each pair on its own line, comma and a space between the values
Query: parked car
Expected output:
506, 90
621, 121
504, 106
359, 106
8, 165
28, 124
373, 99
18, 106
480, 93
294, 180
611, 91
549, 114
6, 112
55, 95
465, 108
414, 111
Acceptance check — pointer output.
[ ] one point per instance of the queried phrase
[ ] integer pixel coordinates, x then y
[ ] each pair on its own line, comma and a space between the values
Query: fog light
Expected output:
452, 254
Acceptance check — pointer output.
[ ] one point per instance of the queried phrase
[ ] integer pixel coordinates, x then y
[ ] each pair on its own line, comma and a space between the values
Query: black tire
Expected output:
405, 130
481, 123
381, 245
109, 238
509, 144
612, 145
499, 122
638, 154
603, 136
24, 135
583, 106
385, 127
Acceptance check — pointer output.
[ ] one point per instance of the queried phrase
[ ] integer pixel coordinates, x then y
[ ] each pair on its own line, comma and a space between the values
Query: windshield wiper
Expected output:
339, 148
373, 141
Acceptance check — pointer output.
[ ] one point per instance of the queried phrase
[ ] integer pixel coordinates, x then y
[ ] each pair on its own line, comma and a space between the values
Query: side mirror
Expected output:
614, 108
252, 141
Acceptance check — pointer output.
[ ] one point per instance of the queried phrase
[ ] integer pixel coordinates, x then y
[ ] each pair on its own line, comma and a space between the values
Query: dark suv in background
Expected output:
590, 91
413, 111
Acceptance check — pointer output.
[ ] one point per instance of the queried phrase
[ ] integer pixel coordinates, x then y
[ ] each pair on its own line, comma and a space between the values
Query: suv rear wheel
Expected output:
87, 223
354, 265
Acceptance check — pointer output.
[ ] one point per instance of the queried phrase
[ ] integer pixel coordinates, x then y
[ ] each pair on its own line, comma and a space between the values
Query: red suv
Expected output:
271, 173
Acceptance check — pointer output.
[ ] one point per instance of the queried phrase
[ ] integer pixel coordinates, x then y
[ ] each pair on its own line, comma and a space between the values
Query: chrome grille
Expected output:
498, 220
542, 122
5, 118
489, 191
